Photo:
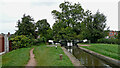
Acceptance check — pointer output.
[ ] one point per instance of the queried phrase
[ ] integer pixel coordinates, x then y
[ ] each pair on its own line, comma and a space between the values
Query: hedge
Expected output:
109, 41
21, 41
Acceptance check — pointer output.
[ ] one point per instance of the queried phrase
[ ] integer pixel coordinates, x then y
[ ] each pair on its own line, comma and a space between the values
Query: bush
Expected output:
21, 42
39, 41
42, 39
109, 41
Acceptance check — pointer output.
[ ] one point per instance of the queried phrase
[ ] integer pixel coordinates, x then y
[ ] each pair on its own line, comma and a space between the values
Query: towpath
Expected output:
31, 62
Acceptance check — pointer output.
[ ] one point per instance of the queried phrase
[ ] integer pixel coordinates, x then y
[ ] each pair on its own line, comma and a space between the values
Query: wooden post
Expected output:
61, 56
10, 45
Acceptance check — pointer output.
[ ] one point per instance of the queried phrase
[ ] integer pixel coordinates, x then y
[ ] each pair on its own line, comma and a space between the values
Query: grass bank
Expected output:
18, 57
45, 56
49, 56
110, 50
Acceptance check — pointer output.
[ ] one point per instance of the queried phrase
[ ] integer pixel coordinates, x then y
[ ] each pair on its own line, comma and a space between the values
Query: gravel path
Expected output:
31, 62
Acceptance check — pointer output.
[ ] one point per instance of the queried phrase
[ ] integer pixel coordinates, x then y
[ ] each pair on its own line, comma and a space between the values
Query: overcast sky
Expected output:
12, 10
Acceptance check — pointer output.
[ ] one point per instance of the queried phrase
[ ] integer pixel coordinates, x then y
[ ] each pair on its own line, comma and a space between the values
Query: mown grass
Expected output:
45, 56
0, 61
49, 56
110, 50
18, 57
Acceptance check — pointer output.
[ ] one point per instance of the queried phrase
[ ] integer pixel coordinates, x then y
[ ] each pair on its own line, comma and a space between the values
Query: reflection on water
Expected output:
70, 50
87, 59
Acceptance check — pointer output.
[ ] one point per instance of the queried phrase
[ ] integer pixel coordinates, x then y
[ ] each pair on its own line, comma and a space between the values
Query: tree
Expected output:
93, 27
70, 16
26, 26
56, 28
84, 24
43, 28
50, 34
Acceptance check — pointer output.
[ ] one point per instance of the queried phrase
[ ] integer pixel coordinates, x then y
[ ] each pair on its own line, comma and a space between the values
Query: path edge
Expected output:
31, 57
71, 57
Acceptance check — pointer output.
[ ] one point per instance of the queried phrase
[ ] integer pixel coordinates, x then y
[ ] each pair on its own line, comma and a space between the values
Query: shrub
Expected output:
109, 41
42, 39
39, 41
21, 42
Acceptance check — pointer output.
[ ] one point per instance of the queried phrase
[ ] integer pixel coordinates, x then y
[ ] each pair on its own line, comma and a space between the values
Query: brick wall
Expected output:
1, 43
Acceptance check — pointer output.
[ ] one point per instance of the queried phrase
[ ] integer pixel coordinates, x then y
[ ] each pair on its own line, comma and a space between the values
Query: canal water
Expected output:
89, 60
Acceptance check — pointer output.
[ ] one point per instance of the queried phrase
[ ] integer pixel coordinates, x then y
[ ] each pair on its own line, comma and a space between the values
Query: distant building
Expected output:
112, 34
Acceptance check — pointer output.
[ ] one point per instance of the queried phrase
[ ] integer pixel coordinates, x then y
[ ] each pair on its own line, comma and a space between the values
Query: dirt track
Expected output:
31, 62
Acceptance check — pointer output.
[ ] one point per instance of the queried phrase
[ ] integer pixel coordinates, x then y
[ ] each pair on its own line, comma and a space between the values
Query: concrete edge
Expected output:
76, 62
2, 53
105, 58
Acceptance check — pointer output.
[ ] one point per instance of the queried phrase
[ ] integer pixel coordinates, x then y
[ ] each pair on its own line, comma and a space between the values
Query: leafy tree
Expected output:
71, 15
43, 28
56, 28
84, 24
50, 34
26, 26
93, 26
67, 33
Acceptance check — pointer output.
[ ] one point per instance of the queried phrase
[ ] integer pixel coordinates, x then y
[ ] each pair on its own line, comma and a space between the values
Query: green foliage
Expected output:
64, 34
75, 23
12, 36
42, 39
49, 34
80, 37
109, 41
26, 26
119, 37
32, 30
93, 27
44, 29
68, 21
21, 42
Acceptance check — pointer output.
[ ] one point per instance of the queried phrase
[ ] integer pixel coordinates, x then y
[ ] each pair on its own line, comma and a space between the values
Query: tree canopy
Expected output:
93, 26
73, 22
43, 28
26, 26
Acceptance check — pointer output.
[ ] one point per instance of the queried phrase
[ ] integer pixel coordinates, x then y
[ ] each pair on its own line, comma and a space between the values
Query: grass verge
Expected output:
49, 56
18, 57
110, 50
0, 61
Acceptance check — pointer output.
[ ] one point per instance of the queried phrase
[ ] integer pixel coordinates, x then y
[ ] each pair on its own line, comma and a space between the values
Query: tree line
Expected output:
29, 28
71, 23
